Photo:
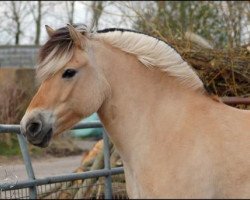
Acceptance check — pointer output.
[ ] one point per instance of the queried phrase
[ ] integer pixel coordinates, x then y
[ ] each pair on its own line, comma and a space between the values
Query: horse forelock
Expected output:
56, 52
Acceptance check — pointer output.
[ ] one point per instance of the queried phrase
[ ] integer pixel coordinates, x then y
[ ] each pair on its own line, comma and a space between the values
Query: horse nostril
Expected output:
34, 128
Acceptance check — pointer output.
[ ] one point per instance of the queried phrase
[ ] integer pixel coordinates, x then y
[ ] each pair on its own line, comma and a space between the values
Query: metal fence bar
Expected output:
9, 128
107, 172
93, 124
15, 128
28, 165
236, 100
108, 179
62, 178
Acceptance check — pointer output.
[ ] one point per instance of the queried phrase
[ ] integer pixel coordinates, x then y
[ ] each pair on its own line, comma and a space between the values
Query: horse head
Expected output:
72, 87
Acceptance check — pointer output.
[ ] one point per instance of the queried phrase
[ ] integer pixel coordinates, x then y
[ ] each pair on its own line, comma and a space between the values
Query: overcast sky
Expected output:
83, 15
57, 17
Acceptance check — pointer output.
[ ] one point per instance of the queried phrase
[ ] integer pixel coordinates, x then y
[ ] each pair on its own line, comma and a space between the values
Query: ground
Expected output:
43, 165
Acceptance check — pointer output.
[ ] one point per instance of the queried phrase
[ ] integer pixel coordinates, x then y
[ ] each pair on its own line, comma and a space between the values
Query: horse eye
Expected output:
69, 73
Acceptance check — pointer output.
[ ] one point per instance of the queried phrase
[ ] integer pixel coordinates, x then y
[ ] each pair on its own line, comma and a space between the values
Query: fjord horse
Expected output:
174, 139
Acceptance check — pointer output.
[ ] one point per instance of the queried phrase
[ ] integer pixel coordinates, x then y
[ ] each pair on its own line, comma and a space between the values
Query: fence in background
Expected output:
18, 56
32, 188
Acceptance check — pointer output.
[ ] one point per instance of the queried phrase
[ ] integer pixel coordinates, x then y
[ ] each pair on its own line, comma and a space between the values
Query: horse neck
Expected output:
138, 95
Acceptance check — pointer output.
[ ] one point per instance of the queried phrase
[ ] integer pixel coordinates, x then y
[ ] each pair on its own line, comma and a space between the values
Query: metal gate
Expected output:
36, 188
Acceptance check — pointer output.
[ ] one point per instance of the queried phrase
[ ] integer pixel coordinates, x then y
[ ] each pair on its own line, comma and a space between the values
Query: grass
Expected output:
10, 150
13, 149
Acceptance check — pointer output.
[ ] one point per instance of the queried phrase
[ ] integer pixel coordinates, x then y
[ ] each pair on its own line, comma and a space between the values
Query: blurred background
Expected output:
212, 36
222, 23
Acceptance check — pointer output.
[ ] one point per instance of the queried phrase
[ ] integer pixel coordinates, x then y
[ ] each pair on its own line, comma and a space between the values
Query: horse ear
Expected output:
76, 36
49, 30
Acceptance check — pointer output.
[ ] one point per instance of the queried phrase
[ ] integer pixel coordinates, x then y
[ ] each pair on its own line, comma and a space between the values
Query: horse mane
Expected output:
151, 51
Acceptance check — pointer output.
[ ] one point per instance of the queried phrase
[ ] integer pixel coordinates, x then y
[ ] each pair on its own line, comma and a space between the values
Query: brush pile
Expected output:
89, 188
224, 72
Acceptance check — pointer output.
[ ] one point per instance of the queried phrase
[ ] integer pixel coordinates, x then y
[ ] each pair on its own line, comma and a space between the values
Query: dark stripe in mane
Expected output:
130, 30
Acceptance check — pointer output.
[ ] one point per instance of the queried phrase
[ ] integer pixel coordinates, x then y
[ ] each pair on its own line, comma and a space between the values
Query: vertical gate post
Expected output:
28, 165
108, 179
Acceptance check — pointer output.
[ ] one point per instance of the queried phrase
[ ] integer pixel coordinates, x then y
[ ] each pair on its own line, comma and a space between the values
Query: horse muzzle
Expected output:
36, 126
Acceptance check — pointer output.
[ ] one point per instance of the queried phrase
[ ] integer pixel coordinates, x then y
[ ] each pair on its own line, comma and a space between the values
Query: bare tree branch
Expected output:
70, 8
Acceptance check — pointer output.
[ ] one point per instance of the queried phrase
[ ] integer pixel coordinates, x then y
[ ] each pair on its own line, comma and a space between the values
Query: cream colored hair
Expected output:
150, 51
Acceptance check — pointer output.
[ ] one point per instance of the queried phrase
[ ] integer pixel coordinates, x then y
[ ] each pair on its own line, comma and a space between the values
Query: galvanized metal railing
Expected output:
32, 182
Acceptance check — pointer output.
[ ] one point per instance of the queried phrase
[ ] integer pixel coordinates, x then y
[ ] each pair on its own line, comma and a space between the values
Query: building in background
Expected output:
18, 56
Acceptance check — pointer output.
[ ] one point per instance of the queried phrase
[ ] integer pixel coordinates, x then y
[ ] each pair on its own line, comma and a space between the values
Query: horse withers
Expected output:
174, 139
